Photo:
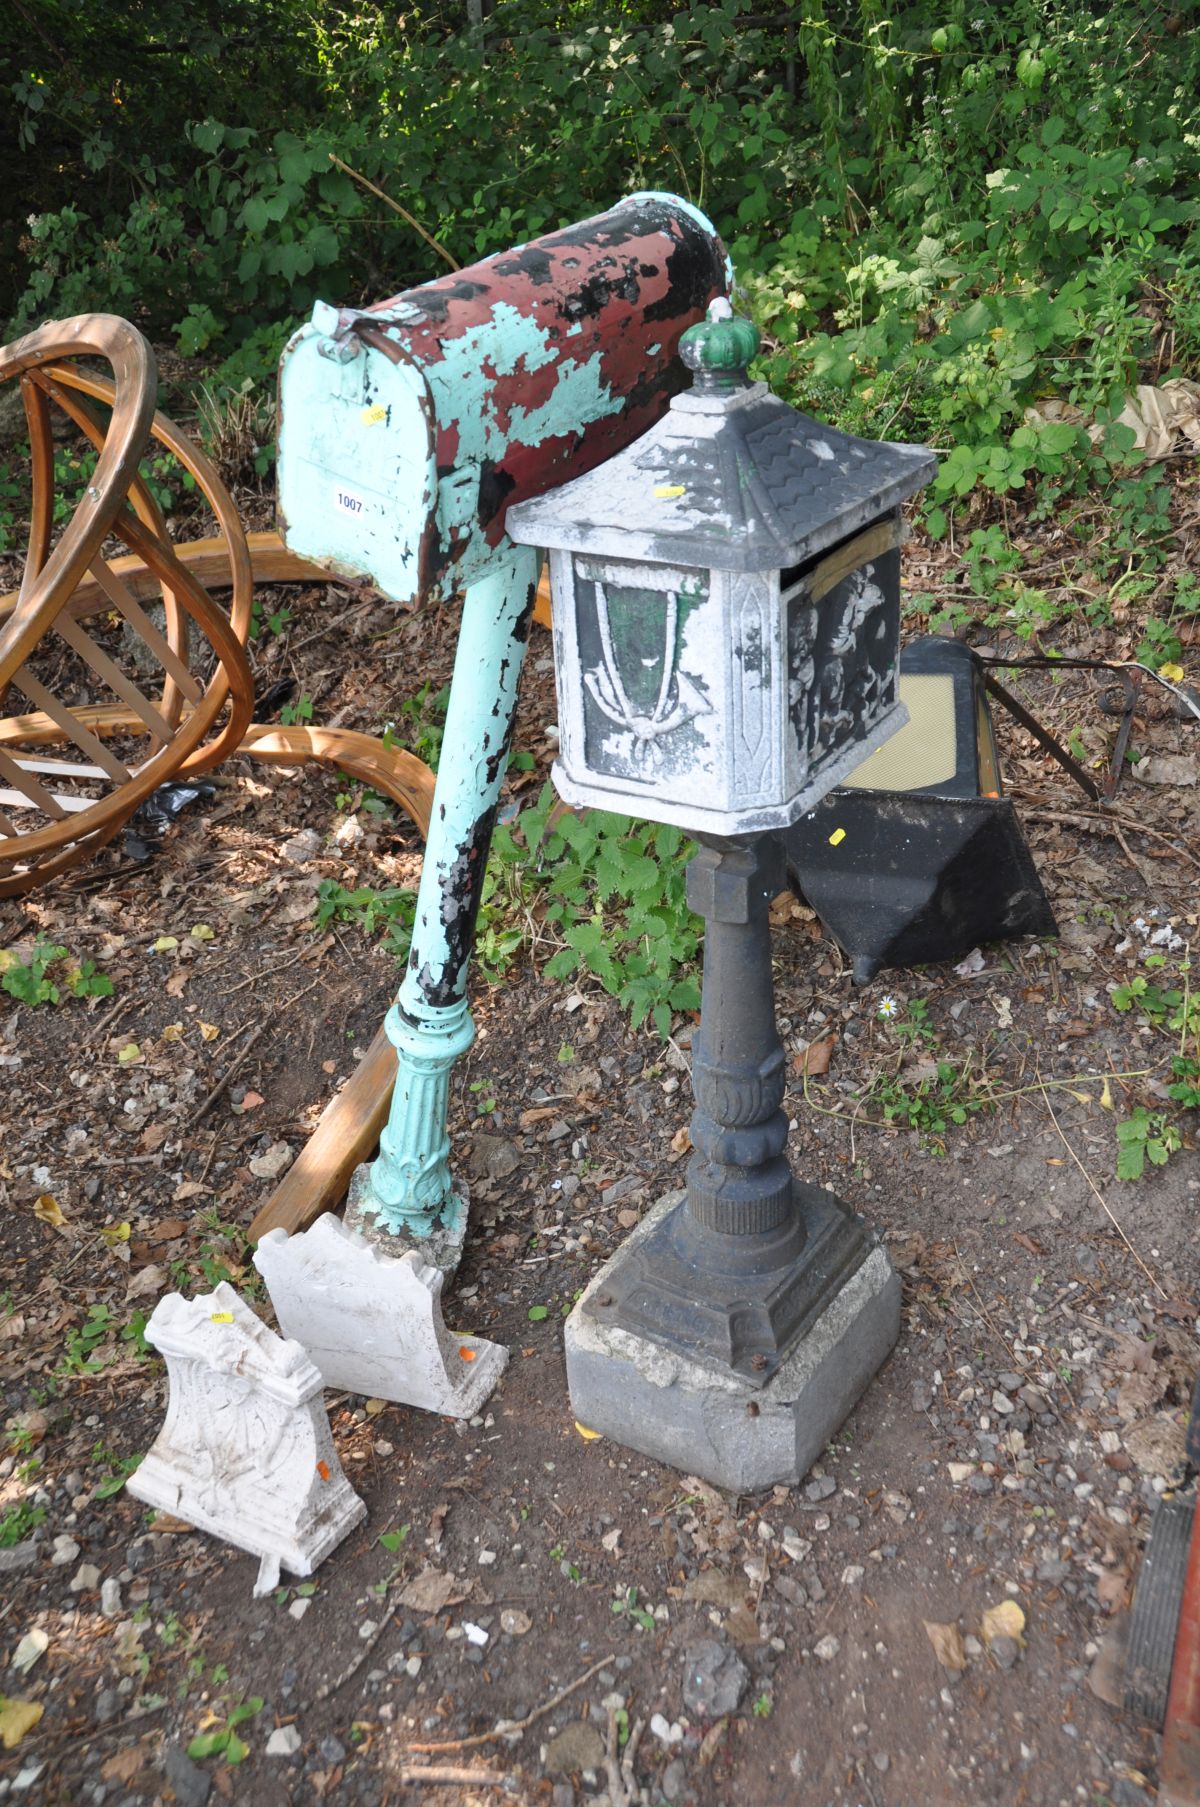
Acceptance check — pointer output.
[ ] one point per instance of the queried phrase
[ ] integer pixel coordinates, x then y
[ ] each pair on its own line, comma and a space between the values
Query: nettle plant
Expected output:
612, 896
1163, 997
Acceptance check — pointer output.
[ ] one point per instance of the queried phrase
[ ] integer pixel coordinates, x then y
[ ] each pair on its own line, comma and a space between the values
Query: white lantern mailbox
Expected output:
727, 603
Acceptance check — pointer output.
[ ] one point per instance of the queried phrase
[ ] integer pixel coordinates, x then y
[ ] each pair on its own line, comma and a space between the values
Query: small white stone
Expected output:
960, 1472
367, 1629
65, 1551
852, 1574
474, 1634
1110, 1442
85, 1579
372, 1322
665, 1732
285, 1741
110, 1597
486, 1558
298, 1608
1003, 1404
413, 1666
826, 1648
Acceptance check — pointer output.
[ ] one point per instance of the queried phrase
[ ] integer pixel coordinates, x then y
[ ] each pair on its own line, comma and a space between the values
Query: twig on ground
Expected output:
507, 1727
352, 1669
229, 1074
1107, 821
443, 1772
1103, 1202
269, 972
108, 1017
622, 1787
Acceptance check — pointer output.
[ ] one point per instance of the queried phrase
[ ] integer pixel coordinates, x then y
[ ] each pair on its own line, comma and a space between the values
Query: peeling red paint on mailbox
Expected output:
512, 376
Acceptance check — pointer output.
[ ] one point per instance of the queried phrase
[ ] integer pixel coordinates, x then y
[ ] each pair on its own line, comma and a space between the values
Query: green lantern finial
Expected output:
719, 349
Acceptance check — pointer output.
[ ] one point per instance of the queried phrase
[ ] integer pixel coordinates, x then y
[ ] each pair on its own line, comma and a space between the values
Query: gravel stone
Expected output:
673, 1782
715, 1678
191, 1785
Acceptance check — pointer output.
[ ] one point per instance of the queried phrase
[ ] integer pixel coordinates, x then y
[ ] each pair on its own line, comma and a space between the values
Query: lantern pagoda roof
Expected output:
731, 478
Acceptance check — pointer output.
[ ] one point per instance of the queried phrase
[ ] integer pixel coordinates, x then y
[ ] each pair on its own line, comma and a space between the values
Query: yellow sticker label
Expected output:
671, 489
221, 1317
837, 837
373, 416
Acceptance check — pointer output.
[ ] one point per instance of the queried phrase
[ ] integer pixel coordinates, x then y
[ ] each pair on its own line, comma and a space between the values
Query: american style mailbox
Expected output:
407, 430
726, 620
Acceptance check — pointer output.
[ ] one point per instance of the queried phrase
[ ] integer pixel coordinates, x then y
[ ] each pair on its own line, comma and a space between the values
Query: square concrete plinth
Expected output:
707, 1421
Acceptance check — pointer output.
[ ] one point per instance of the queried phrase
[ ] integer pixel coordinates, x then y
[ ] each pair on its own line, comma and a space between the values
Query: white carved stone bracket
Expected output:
372, 1322
246, 1452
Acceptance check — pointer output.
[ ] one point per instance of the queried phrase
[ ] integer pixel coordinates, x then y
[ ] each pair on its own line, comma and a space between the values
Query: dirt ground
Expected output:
758, 1650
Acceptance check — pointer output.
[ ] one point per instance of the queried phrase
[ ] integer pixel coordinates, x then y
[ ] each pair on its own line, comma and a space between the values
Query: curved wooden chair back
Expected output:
182, 691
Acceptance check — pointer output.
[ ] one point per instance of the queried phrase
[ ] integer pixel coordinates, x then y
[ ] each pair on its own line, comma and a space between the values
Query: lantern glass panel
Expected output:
842, 648
643, 695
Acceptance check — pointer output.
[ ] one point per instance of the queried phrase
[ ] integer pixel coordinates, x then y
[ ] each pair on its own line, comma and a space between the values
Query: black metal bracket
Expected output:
1127, 709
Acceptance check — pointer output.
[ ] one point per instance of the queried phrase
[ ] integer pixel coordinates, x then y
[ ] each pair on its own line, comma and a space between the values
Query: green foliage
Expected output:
1146, 1136
626, 1605
1174, 1008
613, 892
224, 1742
29, 983
930, 1105
18, 1522
298, 712
424, 716
388, 912
117, 1471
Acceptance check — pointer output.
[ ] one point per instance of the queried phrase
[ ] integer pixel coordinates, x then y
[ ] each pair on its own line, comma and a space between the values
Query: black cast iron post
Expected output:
735, 1274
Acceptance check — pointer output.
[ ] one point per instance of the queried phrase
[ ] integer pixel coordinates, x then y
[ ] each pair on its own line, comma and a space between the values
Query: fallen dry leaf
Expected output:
1112, 1589
712, 1588
123, 1766
815, 1058
147, 1283
167, 1229
47, 1209
1005, 1620
432, 1590
1158, 1445
947, 1644
16, 1718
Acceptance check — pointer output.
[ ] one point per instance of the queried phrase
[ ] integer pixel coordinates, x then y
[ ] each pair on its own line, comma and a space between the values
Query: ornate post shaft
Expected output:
734, 1275
408, 1190
739, 1180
